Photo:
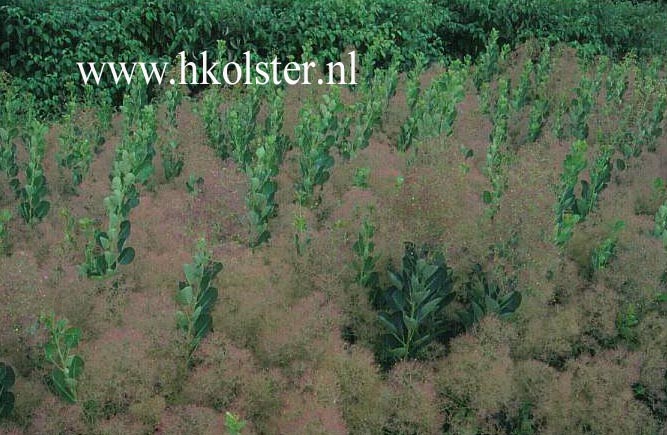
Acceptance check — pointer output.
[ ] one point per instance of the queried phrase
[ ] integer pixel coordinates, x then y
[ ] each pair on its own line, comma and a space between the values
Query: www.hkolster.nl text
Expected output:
230, 73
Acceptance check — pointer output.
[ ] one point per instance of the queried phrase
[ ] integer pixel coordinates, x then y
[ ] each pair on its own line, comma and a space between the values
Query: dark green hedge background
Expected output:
41, 41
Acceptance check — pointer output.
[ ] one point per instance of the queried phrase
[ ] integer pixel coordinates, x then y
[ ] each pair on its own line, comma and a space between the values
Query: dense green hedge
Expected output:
606, 26
43, 40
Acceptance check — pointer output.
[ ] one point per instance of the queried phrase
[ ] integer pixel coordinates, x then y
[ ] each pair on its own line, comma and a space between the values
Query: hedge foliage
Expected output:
41, 41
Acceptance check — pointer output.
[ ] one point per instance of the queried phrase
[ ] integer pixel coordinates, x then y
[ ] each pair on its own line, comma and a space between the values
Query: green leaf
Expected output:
124, 233
585, 189
410, 322
50, 352
421, 341
76, 367
491, 305
203, 325
263, 237
61, 386
181, 320
510, 303
198, 312
7, 400
103, 240
399, 352
207, 298
144, 172
487, 197
428, 308
42, 209
100, 265
395, 280
382, 317
126, 256
7, 376
72, 337
191, 273
185, 296
210, 272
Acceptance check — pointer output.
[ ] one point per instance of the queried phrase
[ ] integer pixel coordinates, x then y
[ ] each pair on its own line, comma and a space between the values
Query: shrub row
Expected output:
42, 41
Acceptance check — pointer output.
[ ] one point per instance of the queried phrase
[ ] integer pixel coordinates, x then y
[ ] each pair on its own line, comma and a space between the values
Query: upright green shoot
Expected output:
196, 297
33, 206
317, 131
67, 367
366, 263
172, 157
